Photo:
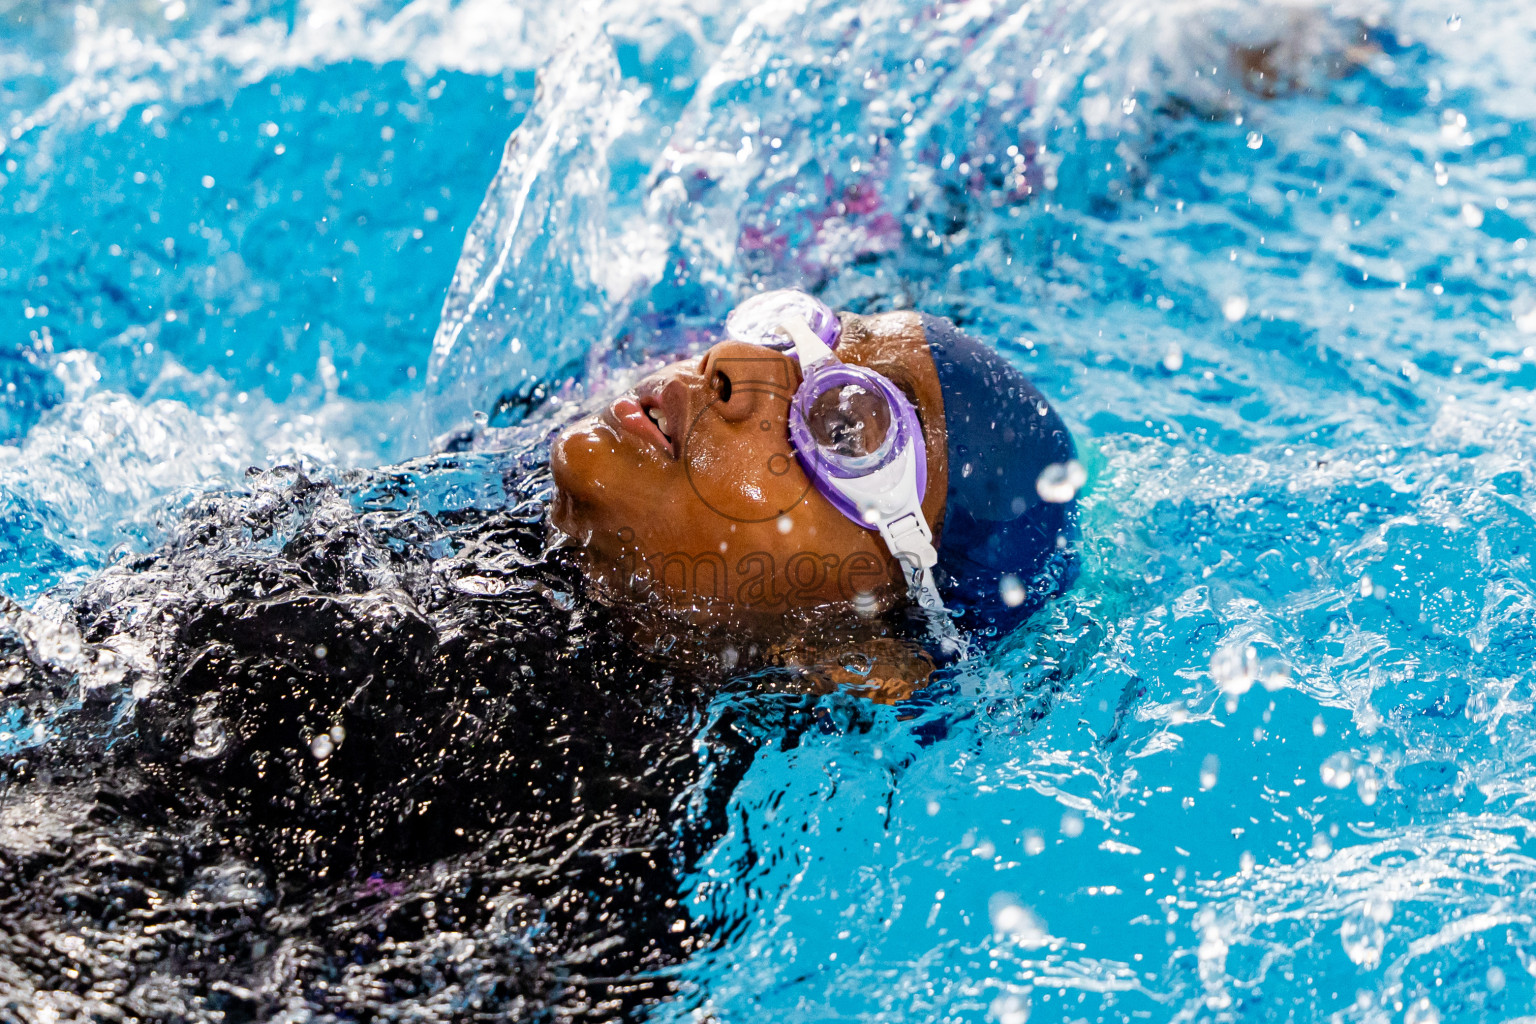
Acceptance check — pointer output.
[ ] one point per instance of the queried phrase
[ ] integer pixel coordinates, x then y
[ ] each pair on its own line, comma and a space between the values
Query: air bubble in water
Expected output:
321, 746
1235, 307
1011, 590
1255, 140
1471, 215
1059, 482
1034, 843
1173, 358
1421, 1011
1453, 23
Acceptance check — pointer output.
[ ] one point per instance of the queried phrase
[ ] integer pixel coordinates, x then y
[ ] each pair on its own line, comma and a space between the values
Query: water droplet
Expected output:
1211, 957
1421, 1011
786, 524
1173, 359
1011, 590
1071, 824
1495, 978
210, 737
483, 586
1011, 919
1362, 934
1453, 23
1255, 140
1471, 215
1319, 726
321, 746
1009, 1008
1235, 307
1034, 843
1235, 668
1338, 771
1210, 771
1059, 482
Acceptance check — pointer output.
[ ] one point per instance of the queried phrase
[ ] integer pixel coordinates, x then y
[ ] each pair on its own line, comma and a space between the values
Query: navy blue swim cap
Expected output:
1002, 435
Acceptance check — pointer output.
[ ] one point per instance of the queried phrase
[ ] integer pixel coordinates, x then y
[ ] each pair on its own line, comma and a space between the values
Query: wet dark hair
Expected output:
387, 756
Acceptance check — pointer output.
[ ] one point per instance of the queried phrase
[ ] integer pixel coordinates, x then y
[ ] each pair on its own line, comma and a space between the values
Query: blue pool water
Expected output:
1271, 758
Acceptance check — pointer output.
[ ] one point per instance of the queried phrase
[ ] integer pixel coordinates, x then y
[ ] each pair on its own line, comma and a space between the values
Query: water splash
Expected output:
528, 297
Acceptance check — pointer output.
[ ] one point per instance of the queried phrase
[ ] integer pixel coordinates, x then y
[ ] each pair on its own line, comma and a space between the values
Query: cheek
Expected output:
745, 473
600, 485
578, 457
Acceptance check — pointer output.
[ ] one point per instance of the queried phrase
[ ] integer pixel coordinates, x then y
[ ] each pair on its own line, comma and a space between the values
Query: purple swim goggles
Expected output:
856, 435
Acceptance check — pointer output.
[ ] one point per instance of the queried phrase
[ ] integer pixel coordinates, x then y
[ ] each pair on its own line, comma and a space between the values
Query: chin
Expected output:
575, 458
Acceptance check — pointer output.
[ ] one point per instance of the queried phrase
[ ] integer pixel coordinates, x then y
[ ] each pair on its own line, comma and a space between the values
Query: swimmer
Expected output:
379, 757
814, 467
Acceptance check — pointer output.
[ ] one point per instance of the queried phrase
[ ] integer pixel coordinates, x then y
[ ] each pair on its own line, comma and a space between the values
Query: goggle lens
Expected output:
850, 422
757, 320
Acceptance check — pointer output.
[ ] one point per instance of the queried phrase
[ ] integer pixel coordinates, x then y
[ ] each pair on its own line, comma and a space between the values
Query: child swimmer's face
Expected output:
687, 487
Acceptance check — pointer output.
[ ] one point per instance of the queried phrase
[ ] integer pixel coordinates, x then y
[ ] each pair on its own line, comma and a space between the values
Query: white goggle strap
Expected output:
909, 539
808, 345
911, 542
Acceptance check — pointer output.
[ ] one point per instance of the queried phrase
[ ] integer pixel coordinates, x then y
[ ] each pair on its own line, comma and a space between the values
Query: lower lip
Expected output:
628, 414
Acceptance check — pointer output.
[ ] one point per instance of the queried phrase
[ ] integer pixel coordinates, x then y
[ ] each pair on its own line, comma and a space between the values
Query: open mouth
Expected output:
645, 420
658, 417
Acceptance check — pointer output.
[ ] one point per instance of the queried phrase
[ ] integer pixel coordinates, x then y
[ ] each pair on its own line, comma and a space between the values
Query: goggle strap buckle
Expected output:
911, 542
